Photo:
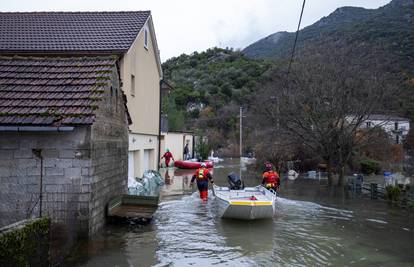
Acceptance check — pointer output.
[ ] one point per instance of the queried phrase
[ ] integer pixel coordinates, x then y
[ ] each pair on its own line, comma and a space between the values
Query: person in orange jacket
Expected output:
202, 175
271, 179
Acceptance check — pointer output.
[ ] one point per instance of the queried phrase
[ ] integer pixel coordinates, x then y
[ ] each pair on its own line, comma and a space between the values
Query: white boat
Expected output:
292, 175
250, 203
247, 160
215, 159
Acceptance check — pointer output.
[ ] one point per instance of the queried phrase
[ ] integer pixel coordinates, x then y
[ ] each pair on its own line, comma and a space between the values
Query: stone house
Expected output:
63, 139
129, 35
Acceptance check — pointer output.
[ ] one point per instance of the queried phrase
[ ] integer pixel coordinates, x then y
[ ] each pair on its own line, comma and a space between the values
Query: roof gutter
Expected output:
35, 129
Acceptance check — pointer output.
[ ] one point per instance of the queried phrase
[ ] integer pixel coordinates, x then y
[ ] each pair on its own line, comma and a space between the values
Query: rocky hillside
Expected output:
380, 40
389, 27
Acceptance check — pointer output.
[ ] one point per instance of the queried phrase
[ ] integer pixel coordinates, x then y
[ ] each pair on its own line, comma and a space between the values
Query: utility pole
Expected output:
241, 133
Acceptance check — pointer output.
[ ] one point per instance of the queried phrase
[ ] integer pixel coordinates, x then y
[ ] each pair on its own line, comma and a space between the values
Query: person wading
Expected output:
202, 175
167, 156
186, 152
271, 179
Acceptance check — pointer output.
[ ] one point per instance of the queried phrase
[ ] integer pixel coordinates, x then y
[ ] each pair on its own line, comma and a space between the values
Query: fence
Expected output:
21, 200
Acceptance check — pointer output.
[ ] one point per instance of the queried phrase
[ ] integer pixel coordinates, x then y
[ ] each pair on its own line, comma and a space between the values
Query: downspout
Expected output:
159, 129
38, 154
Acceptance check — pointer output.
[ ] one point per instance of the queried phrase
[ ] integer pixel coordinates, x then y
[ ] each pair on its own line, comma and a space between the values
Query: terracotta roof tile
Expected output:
51, 91
70, 31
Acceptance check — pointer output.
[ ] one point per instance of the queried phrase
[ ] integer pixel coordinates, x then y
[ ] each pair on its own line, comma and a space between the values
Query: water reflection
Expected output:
314, 225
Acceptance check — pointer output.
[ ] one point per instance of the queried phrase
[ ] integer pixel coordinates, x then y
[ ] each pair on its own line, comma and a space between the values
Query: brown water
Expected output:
314, 226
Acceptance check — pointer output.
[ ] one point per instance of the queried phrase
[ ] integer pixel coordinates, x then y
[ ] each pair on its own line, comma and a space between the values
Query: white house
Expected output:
396, 127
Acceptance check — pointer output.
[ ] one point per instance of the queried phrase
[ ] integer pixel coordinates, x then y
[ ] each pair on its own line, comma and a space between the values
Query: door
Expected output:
146, 162
131, 165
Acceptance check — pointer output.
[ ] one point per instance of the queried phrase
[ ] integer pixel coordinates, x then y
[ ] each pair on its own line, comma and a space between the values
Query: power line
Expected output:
296, 38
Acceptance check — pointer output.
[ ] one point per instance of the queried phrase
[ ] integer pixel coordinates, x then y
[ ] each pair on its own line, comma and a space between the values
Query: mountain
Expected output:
389, 28
377, 40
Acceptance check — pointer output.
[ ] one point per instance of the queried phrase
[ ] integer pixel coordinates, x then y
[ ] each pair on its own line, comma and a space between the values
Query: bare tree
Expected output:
323, 105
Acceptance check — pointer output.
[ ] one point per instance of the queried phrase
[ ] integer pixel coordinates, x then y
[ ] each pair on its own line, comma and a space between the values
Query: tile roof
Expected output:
51, 91
384, 117
69, 31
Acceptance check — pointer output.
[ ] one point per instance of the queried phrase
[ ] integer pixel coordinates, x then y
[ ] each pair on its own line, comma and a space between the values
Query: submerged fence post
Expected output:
374, 190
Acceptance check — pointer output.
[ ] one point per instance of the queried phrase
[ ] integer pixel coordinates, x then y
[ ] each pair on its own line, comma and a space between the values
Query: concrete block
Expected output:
72, 172
67, 154
6, 154
84, 197
86, 180
81, 163
50, 153
58, 163
54, 171
34, 171
85, 171
28, 143
86, 188
23, 154
27, 163
9, 163
51, 188
6, 143
19, 172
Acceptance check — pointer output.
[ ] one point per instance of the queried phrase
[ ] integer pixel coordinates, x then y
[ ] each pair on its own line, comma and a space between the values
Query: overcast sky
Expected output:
184, 26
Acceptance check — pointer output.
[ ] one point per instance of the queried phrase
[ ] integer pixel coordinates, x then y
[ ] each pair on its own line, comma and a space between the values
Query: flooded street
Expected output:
314, 226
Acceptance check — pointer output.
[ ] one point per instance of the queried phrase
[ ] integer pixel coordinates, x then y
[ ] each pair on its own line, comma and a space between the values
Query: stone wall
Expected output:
109, 155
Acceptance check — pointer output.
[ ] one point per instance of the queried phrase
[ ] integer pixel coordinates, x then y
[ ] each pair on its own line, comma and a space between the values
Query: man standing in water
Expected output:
167, 156
203, 176
271, 178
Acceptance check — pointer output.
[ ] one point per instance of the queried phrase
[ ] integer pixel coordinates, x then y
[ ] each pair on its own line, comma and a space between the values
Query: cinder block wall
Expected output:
83, 169
109, 155
66, 175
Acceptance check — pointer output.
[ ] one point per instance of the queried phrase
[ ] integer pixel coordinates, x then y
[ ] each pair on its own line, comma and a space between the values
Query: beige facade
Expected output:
140, 71
175, 142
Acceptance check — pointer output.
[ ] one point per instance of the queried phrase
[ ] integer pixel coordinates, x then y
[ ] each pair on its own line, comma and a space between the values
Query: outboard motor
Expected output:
235, 182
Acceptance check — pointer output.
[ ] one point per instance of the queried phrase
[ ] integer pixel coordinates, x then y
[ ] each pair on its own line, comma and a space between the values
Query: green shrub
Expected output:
369, 166
393, 193
27, 246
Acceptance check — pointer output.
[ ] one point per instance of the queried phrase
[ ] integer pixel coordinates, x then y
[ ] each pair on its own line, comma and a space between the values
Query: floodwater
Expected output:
314, 226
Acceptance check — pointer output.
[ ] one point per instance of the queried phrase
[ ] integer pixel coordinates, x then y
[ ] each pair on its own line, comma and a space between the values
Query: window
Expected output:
132, 85
368, 124
396, 126
146, 39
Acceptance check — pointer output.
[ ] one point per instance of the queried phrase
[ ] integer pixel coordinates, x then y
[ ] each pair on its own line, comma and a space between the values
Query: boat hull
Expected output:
191, 164
232, 207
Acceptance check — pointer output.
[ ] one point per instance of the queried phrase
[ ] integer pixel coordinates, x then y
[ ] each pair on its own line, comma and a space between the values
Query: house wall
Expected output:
138, 144
109, 155
66, 179
82, 169
389, 127
143, 104
175, 142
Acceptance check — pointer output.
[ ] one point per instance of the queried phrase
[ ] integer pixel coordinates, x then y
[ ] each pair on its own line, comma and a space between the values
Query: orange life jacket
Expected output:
271, 177
201, 174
